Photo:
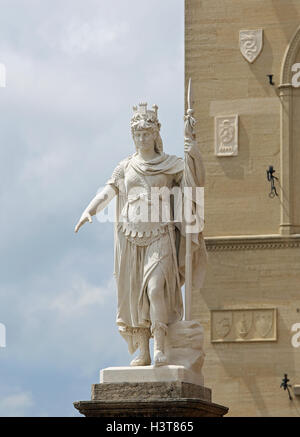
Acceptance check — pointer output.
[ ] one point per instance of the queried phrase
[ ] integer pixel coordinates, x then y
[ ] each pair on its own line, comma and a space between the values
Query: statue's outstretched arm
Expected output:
100, 201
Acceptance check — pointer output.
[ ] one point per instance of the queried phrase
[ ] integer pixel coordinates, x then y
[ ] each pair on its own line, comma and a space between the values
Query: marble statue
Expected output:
150, 255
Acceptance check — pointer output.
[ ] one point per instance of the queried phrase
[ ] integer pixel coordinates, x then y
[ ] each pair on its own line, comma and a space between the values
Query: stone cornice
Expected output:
252, 242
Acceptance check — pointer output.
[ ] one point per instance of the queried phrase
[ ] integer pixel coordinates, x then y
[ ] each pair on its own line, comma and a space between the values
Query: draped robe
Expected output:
144, 248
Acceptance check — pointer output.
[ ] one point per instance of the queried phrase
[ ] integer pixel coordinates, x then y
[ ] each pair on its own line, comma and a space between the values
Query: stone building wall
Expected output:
253, 240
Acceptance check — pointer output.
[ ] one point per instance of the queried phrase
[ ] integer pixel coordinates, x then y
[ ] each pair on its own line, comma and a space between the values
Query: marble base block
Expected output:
150, 374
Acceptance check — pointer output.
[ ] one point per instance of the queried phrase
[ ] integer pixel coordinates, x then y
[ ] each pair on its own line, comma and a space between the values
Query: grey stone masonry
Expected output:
150, 399
149, 391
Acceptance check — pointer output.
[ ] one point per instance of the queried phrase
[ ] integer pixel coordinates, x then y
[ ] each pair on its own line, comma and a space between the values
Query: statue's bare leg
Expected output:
141, 337
159, 333
158, 315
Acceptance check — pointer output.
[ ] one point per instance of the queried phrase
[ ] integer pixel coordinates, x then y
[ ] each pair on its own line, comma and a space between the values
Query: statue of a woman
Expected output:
149, 255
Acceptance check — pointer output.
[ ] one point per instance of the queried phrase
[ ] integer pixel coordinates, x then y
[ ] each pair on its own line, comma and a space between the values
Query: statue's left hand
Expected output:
188, 144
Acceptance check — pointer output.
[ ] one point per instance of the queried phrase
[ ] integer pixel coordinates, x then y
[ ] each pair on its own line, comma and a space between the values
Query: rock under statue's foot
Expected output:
160, 359
141, 360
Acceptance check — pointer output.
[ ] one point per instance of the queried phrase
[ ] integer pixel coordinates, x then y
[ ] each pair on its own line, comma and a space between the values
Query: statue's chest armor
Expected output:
136, 182
136, 214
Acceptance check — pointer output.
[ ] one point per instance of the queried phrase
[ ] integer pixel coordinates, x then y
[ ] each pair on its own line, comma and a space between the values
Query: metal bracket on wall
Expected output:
270, 76
271, 178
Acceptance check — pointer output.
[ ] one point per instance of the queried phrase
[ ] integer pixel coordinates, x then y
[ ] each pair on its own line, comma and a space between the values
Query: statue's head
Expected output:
144, 122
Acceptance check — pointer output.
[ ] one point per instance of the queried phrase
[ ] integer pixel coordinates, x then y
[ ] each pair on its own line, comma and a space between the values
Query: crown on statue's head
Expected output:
144, 118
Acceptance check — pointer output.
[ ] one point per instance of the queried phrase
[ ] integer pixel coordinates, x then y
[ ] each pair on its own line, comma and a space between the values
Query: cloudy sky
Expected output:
74, 70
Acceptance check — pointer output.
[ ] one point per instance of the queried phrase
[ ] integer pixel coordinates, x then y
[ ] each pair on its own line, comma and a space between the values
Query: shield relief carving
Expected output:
251, 44
223, 324
244, 323
264, 323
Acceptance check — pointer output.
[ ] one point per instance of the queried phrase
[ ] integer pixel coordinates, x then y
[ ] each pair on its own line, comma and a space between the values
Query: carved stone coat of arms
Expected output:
251, 44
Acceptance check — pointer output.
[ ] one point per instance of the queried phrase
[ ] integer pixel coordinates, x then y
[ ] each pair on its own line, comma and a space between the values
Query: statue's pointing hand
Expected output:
86, 217
96, 205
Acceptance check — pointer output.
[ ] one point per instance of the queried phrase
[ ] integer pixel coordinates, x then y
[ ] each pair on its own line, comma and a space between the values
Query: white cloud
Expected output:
95, 36
74, 69
63, 320
16, 404
80, 298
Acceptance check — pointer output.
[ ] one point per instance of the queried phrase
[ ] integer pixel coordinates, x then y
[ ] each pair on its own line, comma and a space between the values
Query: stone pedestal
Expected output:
146, 394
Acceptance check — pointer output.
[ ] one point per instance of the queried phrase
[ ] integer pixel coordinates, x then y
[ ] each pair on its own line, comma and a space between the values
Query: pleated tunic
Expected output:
144, 247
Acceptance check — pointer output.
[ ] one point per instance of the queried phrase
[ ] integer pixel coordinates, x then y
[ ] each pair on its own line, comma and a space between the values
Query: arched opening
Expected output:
290, 140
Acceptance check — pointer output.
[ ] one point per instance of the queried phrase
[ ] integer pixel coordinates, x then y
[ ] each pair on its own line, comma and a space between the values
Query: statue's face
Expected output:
144, 139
